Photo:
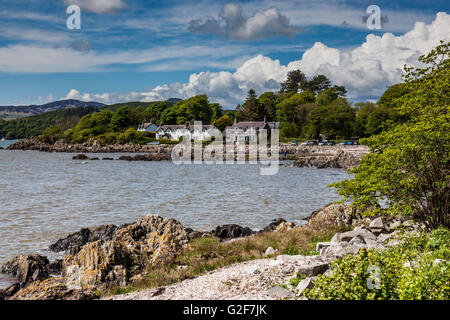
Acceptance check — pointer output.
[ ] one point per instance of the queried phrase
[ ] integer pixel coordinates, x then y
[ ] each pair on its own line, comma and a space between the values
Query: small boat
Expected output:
3, 139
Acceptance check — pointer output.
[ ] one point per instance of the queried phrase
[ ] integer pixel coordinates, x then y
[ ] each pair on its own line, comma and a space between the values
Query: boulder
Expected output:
53, 289
27, 268
278, 292
358, 231
80, 157
231, 231
270, 251
313, 268
274, 224
377, 226
285, 226
322, 245
307, 283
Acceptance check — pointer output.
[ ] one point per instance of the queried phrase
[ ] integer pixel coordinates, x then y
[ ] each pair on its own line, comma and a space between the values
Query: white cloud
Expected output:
365, 71
98, 6
233, 24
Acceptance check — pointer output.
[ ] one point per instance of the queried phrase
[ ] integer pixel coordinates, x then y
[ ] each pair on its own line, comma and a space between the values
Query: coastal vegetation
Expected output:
33, 126
416, 269
409, 164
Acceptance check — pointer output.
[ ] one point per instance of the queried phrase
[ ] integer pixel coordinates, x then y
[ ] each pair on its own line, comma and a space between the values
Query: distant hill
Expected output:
9, 112
135, 104
34, 125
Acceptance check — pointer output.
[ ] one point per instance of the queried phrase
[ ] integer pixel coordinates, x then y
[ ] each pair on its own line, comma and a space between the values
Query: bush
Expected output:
427, 280
52, 134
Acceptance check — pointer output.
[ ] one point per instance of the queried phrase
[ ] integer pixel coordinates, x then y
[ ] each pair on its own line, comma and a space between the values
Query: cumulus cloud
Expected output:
98, 6
365, 71
233, 24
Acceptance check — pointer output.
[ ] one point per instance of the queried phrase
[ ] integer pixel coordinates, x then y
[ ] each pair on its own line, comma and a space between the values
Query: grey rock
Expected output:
357, 240
322, 245
278, 292
313, 269
307, 283
270, 251
336, 238
383, 237
377, 223
359, 230
394, 225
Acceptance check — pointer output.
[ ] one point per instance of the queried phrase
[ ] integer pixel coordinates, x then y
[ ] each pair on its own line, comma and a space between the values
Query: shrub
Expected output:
426, 280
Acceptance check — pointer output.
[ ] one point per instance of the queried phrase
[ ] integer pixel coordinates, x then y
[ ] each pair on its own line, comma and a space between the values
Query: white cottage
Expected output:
248, 130
176, 131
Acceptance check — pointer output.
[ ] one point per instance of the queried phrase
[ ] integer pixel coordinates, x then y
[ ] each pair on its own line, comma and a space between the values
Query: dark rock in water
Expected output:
78, 238
231, 231
84, 236
108, 159
80, 157
147, 157
274, 224
192, 234
10, 291
27, 268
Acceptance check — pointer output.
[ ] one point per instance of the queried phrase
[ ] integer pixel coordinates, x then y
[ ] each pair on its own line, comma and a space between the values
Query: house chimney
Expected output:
235, 120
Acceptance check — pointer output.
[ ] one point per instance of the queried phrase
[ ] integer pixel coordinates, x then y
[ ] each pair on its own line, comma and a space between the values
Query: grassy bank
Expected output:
207, 254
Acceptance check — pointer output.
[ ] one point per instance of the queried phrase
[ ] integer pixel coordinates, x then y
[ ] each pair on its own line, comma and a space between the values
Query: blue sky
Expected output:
149, 50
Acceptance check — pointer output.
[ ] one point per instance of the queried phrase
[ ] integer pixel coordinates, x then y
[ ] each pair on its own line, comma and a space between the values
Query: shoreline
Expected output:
345, 157
79, 277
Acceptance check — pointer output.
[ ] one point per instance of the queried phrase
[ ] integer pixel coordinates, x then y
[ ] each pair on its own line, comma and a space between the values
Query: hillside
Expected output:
8, 112
33, 126
135, 104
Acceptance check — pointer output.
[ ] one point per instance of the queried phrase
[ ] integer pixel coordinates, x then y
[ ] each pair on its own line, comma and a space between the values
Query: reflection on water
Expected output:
45, 196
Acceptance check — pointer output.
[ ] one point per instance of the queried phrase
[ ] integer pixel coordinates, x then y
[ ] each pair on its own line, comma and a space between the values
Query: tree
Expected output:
391, 94
267, 102
335, 120
122, 119
295, 111
409, 163
293, 82
251, 109
223, 122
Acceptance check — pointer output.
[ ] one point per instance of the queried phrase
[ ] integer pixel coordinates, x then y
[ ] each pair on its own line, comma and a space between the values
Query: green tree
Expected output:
294, 80
409, 163
267, 101
122, 119
391, 94
251, 109
223, 122
335, 120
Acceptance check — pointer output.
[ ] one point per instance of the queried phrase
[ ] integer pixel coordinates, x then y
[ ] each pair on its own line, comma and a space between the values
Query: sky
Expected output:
136, 50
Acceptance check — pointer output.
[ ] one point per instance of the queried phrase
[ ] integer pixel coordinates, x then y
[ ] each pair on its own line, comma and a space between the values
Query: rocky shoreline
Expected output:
118, 256
343, 157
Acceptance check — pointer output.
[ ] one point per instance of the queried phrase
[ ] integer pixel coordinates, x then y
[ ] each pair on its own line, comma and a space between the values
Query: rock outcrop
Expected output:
27, 269
341, 159
132, 250
53, 289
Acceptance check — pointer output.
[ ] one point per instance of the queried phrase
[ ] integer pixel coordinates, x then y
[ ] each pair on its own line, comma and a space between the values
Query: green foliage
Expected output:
391, 94
335, 120
224, 122
195, 108
409, 162
34, 126
251, 109
52, 134
426, 280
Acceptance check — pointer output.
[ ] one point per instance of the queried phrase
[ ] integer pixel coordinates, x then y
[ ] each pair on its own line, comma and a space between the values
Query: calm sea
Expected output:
45, 196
